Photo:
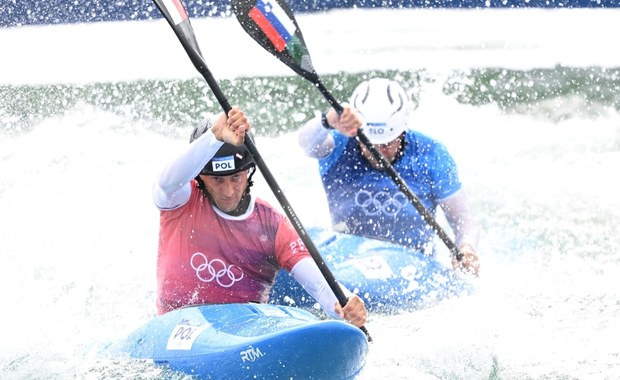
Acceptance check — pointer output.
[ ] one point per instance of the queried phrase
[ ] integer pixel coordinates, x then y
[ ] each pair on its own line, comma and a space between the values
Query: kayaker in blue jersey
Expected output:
220, 244
364, 200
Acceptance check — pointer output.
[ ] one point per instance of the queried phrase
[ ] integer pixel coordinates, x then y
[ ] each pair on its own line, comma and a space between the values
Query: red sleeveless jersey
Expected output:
206, 257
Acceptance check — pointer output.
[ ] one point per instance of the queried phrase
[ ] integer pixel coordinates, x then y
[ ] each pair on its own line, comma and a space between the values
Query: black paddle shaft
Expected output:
277, 31
179, 21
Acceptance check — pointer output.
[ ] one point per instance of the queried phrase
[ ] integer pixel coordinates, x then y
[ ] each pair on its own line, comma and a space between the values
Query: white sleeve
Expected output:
172, 188
316, 140
458, 215
308, 275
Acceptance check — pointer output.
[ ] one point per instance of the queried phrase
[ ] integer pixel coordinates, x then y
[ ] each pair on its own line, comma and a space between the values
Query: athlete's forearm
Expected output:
315, 139
172, 187
308, 275
458, 215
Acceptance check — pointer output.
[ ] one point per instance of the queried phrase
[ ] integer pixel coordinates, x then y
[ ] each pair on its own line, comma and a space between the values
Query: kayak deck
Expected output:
256, 341
388, 277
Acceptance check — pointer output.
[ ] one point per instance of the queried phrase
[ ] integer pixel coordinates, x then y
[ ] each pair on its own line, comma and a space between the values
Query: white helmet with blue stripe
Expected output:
384, 106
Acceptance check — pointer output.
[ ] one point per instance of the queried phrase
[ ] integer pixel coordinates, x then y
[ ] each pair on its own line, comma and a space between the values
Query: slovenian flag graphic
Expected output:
274, 22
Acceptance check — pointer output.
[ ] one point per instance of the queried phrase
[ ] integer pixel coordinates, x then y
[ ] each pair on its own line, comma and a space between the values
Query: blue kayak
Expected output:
250, 341
388, 277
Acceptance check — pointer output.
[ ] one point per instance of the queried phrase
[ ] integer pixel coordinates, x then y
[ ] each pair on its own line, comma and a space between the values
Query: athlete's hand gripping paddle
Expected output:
272, 24
176, 15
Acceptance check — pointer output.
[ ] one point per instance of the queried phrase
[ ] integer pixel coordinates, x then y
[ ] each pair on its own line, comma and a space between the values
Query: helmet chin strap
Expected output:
244, 203
401, 148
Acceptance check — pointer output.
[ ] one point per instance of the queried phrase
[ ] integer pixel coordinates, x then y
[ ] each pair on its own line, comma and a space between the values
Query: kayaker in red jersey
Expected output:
220, 244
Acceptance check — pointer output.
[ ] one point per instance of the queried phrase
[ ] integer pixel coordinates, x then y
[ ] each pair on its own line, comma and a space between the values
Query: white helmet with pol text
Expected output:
384, 106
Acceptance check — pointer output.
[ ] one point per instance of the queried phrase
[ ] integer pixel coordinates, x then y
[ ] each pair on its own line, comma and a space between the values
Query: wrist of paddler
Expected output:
469, 259
354, 312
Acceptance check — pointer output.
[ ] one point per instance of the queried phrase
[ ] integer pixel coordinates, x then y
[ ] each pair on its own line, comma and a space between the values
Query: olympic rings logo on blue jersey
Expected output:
216, 269
381, 202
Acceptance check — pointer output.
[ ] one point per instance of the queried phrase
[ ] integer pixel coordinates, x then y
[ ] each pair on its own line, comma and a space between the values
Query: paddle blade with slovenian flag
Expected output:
272, 24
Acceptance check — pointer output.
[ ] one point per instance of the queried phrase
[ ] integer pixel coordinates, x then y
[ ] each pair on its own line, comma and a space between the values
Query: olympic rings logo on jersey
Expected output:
216, 269
380, 203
